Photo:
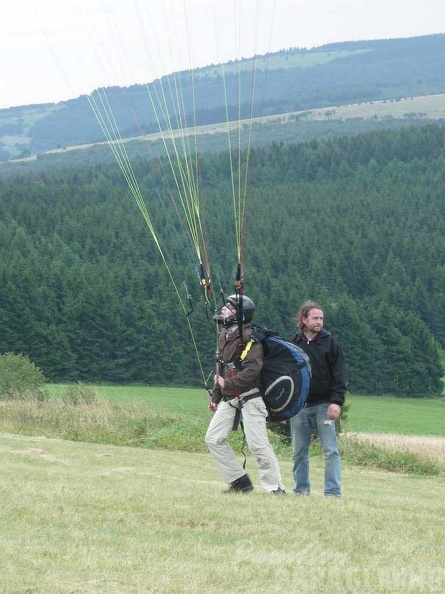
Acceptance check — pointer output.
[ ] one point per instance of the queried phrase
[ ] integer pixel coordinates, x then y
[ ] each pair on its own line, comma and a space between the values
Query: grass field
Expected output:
429, 106
404, 416
279, 61
96, 519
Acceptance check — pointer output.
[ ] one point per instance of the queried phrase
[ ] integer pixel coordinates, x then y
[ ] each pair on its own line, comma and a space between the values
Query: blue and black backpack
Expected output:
285, 375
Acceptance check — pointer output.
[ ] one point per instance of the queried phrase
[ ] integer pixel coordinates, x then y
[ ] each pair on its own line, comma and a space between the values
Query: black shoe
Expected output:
241, 485
278, 491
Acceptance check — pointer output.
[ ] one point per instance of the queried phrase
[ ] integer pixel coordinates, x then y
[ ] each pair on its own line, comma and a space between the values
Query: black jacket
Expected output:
328, 381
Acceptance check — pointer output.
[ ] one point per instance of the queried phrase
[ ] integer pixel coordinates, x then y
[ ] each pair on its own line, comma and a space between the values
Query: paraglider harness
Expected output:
285, 378
285, 375
233, 368
236, 365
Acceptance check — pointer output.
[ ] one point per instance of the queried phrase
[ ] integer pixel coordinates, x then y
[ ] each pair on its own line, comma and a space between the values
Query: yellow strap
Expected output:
246, 350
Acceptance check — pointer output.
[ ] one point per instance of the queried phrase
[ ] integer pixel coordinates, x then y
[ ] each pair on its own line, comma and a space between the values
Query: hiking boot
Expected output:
278, 491
241, 485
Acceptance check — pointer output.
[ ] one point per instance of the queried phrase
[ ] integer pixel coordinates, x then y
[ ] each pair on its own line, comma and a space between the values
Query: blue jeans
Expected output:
314, 418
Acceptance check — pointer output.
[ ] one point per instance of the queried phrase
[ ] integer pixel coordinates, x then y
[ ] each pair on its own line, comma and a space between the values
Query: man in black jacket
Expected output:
326, 396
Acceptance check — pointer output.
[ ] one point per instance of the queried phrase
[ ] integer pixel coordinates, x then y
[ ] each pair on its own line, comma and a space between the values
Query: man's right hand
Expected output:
334, 412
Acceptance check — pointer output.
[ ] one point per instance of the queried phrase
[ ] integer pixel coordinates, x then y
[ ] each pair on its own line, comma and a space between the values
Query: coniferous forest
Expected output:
356, 223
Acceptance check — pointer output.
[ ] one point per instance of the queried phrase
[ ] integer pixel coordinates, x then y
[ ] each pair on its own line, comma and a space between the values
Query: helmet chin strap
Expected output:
228, 322
225, 322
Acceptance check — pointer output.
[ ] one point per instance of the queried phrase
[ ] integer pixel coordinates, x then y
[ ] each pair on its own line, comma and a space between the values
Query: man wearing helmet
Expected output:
236, 392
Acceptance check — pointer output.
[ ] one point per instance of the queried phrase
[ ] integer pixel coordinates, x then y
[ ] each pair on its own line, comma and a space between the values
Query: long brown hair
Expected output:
304, 310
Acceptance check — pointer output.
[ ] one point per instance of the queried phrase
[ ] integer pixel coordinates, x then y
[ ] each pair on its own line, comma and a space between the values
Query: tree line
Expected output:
356, 223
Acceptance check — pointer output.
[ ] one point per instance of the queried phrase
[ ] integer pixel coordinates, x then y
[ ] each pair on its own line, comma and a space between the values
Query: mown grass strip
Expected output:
96, 519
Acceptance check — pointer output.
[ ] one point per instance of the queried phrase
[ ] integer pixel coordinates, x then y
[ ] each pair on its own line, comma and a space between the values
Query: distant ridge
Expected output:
288, 83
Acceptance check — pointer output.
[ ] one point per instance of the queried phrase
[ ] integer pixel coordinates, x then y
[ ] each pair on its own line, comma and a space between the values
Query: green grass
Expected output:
187, 401
278, 61
97, 519
177, 418
407, 416
93, 518
404, 416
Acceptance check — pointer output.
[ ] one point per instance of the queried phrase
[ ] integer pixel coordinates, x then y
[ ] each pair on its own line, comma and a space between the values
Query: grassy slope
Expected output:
95, 519
279, 61
430, 107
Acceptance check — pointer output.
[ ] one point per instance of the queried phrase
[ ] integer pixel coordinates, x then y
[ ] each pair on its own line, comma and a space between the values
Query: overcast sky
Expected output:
53, 50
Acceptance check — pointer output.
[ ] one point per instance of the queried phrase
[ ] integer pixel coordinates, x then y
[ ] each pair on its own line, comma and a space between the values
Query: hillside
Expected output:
287, 82
343, 189
356, 221
300, 126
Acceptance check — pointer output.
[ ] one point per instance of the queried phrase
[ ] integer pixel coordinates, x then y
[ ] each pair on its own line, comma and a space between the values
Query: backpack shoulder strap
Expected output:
247, 349
259, 333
